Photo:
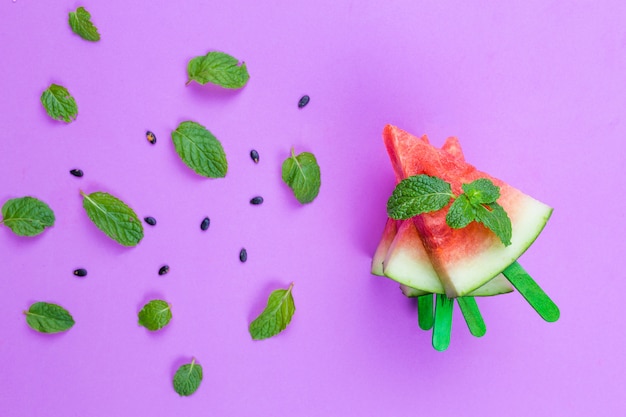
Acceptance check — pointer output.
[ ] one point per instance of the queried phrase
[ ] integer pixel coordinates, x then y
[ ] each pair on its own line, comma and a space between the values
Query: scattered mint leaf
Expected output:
494, 217
276, 315
218, 68
416, 195
461, 213
155, 315
80, 22
59, 104
113, 217
481, 191
200, 150
302, 174
27, 216
187, 378
48, 318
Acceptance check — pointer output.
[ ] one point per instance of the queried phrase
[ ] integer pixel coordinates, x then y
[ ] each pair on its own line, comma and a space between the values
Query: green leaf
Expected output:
80, 22
155, 315
461, 213
416, 195
218, 68
59, 104
113, 217
495, 218
188, 378
200, 150
27, 216
481, 191
48, 318
276, 315
302, 174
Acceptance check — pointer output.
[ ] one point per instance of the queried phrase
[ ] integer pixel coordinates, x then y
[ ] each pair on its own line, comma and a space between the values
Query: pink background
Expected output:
536, 92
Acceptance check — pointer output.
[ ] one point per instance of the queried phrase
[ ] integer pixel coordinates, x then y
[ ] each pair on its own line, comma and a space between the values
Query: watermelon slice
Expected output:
402, 257
463, 259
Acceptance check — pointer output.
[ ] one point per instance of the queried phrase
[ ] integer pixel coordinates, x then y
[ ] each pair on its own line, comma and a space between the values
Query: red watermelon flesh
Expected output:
467, 258
402, 257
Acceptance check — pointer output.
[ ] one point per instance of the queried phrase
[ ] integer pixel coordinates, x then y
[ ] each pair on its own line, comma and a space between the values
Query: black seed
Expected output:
76, 172
151, 137
304, 101
164, 270
243, 255
255, 156
256, 201
150, 220
81, 272
205, 223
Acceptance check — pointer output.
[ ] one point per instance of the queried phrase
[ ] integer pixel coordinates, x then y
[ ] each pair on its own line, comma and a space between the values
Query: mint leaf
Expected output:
276, 315
113, 217
48, 318
27, 216
481, 191
218, 68
416, 195
200, 150
461, 213
155, 315
495, 218
302, 174
80, 22
187, 378
59, 104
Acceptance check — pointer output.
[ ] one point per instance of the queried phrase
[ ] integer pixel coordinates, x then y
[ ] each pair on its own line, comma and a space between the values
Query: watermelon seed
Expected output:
151, 137
150, 220
205, 223
257, 200
164, 270
81, 272
303, 101
76, 172
243, 255
255, 156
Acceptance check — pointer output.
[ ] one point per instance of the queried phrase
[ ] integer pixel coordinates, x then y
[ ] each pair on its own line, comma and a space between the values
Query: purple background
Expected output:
536, 92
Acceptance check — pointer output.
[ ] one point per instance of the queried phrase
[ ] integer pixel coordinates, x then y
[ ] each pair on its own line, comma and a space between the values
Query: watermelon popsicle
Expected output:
426, 256
401, 254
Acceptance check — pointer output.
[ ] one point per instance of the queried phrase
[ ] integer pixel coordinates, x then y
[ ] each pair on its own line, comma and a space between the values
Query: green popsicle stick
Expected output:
472, 316
443, 322
529, 289
425, 316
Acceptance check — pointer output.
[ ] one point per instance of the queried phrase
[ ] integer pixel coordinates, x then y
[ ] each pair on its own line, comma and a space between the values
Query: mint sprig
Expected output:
59, 103
80, 22
276, 315
418, 194
481, 191
27, 216
200, 150
155, 315
113, 217
48, 318
187, 378
302, 174
218, 68
423, 194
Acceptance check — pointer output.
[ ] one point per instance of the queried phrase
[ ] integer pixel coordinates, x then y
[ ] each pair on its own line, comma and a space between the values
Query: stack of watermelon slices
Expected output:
437, 264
